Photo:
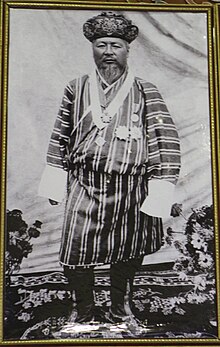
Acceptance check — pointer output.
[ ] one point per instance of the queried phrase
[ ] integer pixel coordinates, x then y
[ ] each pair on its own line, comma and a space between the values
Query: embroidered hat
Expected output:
109, 24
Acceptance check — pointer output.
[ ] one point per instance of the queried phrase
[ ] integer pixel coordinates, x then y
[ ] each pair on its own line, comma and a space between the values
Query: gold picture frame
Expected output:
177, 49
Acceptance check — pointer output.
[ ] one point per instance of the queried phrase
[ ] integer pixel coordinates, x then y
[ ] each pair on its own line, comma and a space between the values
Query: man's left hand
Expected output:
176, 210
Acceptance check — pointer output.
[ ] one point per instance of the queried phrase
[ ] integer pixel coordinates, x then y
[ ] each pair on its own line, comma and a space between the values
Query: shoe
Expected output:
84, 315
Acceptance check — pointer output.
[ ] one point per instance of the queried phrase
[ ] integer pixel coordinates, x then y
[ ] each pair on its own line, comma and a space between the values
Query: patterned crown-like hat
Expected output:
109, 24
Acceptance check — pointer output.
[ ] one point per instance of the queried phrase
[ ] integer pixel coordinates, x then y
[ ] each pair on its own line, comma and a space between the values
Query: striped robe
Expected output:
108, 183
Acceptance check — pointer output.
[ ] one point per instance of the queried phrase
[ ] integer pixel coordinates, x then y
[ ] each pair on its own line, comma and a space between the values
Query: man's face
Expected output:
110, 51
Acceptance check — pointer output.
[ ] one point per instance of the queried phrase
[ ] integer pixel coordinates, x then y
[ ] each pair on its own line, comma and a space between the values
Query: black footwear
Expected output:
118, 290
82, 282
85, 314
121, 279
129, 319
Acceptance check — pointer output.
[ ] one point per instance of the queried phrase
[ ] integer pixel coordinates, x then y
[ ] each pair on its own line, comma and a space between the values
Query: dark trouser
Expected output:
122, 275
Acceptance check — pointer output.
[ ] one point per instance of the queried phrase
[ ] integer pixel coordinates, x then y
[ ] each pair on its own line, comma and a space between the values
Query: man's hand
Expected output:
53, 202
176, 210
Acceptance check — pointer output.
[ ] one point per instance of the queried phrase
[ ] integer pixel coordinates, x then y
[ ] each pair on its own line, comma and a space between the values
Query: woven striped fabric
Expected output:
107, 183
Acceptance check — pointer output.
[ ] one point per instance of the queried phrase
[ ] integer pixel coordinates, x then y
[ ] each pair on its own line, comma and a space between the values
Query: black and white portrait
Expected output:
110, 230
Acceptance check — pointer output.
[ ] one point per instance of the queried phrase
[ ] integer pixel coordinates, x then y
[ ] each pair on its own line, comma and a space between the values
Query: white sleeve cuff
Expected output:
160, 198
53, 183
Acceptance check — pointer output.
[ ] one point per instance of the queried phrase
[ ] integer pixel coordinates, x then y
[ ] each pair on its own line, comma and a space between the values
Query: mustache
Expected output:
105, 63
109, 57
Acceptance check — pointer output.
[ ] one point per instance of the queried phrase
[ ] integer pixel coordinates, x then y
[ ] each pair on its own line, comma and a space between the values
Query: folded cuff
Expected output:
160, 198
53, 183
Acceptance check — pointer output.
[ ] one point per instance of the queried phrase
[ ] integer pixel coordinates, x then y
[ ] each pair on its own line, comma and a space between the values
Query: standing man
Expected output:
114, 152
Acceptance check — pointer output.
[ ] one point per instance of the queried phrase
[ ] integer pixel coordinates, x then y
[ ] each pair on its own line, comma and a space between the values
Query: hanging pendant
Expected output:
105, 117
100, 141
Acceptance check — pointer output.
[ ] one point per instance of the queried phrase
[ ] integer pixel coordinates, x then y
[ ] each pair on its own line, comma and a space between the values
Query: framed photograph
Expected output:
110, 173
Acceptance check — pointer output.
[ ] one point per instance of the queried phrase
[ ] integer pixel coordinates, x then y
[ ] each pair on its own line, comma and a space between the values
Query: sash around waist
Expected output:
96, 185
79, 169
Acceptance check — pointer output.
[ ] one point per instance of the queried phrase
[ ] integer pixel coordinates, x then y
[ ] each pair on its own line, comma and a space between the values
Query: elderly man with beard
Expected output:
115, 152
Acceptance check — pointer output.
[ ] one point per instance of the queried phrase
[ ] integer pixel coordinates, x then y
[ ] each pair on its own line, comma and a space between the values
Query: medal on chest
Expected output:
123, 133
135, 117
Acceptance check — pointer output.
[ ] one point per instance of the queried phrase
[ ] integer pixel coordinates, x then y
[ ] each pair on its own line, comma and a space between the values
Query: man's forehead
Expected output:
110, 40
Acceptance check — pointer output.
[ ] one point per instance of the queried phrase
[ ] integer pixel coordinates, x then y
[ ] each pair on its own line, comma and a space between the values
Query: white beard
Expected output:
110, 72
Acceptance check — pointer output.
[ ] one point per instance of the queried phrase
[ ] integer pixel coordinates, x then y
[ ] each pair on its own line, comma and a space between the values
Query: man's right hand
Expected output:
53, 202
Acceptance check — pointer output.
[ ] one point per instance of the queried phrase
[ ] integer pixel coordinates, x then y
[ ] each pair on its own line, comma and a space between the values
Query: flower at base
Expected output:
33, 232
180, 246
37, 224
182, 276
200, 282
197, 241
208, 234
181, 264
205, 260
15, 223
